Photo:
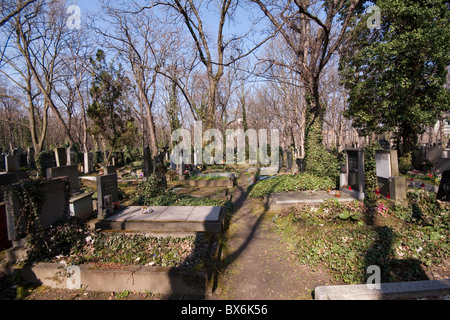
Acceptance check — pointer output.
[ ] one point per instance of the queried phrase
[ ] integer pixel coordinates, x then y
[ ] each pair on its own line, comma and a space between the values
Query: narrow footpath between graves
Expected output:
256, 264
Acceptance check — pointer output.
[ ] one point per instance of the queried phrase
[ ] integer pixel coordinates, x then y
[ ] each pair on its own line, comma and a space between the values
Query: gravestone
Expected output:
442, 164
444, 187
148, 162
12, 163
54, 208
61, 157
434, 153
4, 241
109, 169
289, 159
66, 171
446, 153
388, 176
31, 162
107, 194
70, 156
80, 203
352, 175
268, 171
386, 162
181, 168
88, 163
23, 160
2, 162
9, 178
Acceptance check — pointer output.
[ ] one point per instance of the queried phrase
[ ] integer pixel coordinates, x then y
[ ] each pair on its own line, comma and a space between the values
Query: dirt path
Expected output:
256, 263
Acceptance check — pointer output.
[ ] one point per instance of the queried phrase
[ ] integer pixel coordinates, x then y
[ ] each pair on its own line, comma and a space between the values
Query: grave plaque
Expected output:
352, 158
383, 164
106, 186
444, 187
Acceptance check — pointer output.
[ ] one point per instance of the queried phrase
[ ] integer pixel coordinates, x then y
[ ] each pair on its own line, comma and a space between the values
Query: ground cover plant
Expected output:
72, 242
347, 238
150, 193
119, 249
291, 182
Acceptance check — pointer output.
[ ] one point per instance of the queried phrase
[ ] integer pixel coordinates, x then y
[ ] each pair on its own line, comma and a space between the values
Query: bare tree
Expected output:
40, 42
12, 8
313, 34
215, 52
140, 39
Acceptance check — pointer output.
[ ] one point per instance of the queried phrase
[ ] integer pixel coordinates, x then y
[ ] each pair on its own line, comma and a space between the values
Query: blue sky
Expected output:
241, 20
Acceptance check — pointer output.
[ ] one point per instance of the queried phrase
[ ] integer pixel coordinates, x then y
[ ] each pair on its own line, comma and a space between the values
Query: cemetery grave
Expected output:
163, 221
186, 222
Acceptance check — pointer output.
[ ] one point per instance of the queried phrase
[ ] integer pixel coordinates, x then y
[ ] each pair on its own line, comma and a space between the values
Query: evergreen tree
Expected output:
396, 74
111, 117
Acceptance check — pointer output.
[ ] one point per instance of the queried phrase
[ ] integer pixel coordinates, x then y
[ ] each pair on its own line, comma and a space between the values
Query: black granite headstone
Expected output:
106, 186
444, 187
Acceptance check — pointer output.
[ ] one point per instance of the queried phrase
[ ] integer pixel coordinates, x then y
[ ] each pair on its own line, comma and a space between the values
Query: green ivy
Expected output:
370, 172
40, 241
291, 182
41, 162
321, 236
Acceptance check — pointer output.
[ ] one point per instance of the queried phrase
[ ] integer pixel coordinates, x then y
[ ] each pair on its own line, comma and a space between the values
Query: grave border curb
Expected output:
387, 291
154, 279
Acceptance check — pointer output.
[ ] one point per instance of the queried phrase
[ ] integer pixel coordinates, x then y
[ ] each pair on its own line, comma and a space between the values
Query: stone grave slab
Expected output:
277, 201
134, 213
175, 213
170, 220
204, 214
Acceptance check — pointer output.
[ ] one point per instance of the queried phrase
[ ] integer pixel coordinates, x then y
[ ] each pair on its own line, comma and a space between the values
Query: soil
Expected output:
255, 264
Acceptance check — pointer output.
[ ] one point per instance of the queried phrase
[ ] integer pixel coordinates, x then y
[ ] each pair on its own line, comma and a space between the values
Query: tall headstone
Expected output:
386, 162
107, 194
289, 159
444, 187
12, 163
353, 173
388, 176
148, 161
88, 163
31, 159
61, 157
70, 156
2, 162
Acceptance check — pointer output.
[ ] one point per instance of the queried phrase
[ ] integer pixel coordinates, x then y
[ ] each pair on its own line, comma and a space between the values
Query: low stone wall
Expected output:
157, 280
